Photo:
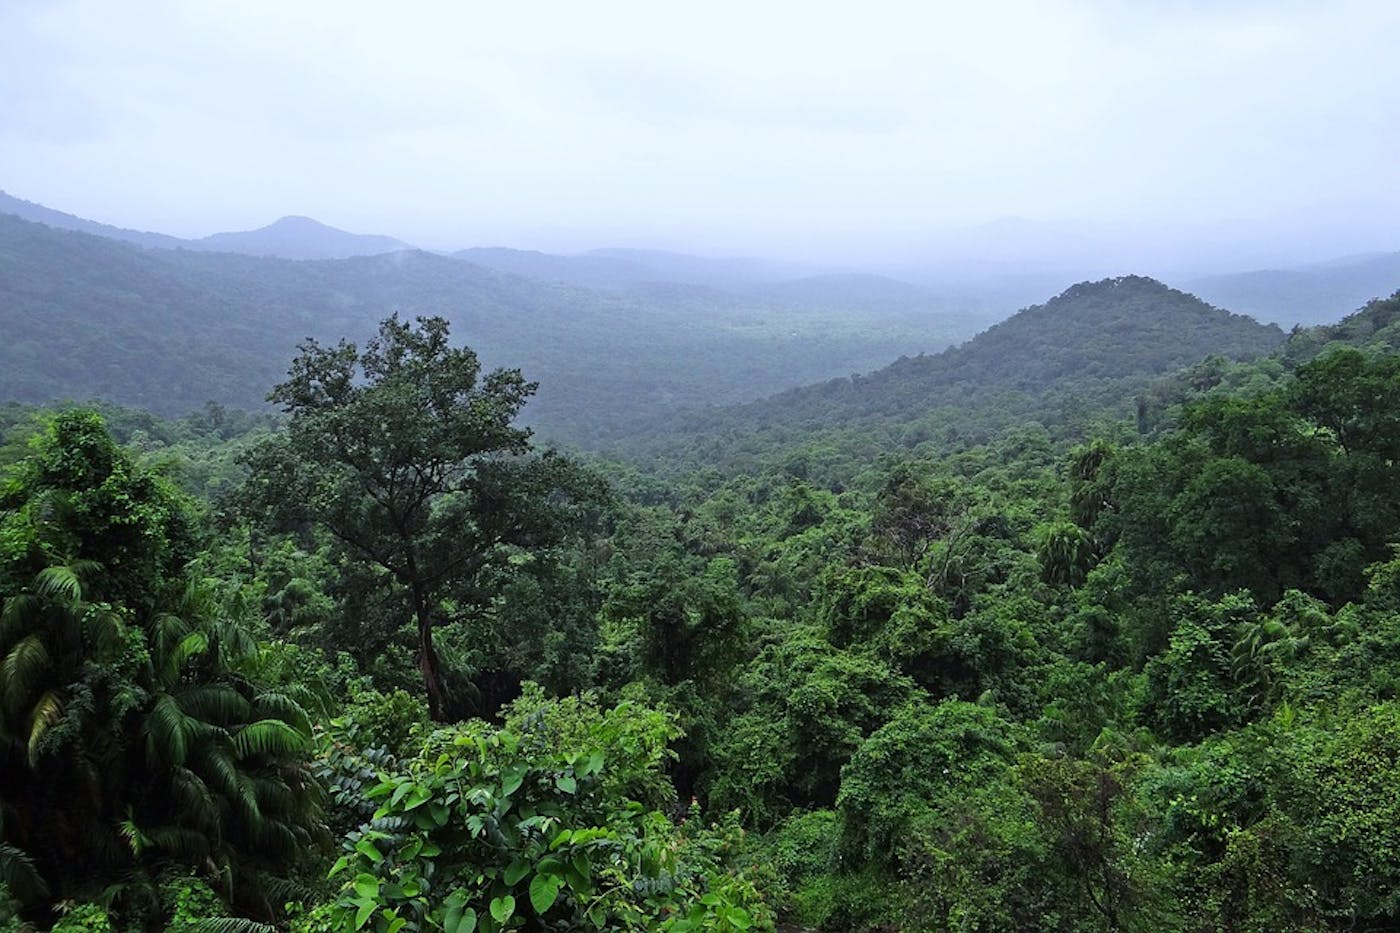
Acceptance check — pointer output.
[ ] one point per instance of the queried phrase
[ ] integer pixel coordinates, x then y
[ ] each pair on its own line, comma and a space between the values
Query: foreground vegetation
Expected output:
386, 666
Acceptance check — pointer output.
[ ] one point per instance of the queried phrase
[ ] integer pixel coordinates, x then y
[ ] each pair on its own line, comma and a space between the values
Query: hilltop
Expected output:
289, 237
1077, 359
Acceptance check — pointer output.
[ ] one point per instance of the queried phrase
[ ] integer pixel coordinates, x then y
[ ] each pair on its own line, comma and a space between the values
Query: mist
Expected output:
936, 141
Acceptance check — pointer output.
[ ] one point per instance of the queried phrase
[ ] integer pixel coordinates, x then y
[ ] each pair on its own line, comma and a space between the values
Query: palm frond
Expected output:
17, 872
59, 582
230, 925
215, 703
18, 613
46, 712
186, 844
21, 670
170, 732
169, 628
105, 630
193, 798
268, 737
282, 705
221, 772
192, 645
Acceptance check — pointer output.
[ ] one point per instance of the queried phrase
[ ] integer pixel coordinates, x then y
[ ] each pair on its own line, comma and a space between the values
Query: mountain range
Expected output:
289, 237
635, 350
168, 329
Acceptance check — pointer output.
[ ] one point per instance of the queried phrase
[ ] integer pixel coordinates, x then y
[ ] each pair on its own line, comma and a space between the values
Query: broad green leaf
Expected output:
516, 870
502, 908
511, 780
543, 891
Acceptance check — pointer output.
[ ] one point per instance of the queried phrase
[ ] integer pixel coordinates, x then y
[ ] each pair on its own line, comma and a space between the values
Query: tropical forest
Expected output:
817, 559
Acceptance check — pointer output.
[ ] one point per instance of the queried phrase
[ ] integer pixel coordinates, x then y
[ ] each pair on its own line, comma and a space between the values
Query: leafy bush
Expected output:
540, 821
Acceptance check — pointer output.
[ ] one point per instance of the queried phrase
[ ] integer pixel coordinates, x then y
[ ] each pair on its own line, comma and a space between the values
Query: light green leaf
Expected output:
502, 908
543, 891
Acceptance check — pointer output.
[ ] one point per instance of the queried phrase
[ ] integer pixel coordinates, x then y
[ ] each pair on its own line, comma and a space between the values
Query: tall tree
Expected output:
136, 732
408, 455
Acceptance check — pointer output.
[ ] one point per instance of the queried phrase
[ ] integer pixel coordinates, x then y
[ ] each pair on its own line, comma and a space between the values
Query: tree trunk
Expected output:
428, 664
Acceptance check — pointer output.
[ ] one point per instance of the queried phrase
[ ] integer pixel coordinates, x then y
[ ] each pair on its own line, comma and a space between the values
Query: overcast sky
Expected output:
780, 127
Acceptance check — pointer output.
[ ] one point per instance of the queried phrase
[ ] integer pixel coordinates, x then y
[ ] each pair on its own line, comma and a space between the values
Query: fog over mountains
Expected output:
987, 271
616, 337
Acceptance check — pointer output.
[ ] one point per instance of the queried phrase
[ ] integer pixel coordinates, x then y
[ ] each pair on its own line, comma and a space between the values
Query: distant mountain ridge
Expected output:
167, 330
39, 214
288, 238
1319, 293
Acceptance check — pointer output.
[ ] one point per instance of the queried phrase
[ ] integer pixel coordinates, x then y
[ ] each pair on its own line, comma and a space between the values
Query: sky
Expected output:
812, 129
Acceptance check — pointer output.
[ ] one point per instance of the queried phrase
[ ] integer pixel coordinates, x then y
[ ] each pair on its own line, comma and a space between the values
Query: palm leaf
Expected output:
219, 703
17, 872
192, 645
230, 925
46, 712
187, 844
283, 706
21, 670
196, 802
221, 771
268, 737
170, 732
235, 642
105, 629
59, 582
169, 629
17, 614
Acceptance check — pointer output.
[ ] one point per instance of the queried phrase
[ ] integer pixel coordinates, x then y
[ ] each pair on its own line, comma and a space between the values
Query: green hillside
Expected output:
168, 330
1078, 360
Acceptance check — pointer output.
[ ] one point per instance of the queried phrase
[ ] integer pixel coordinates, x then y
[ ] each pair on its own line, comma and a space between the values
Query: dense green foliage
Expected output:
1138, 670
139, 731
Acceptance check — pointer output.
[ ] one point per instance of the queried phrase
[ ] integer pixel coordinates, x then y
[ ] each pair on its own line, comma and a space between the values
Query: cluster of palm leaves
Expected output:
137, 735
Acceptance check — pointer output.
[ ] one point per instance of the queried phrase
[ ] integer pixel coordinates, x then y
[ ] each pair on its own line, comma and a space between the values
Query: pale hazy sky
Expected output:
738, 126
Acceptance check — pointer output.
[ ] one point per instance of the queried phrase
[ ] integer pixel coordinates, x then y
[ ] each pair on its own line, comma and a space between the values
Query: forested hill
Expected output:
87, 316
1078, 359
38, 213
